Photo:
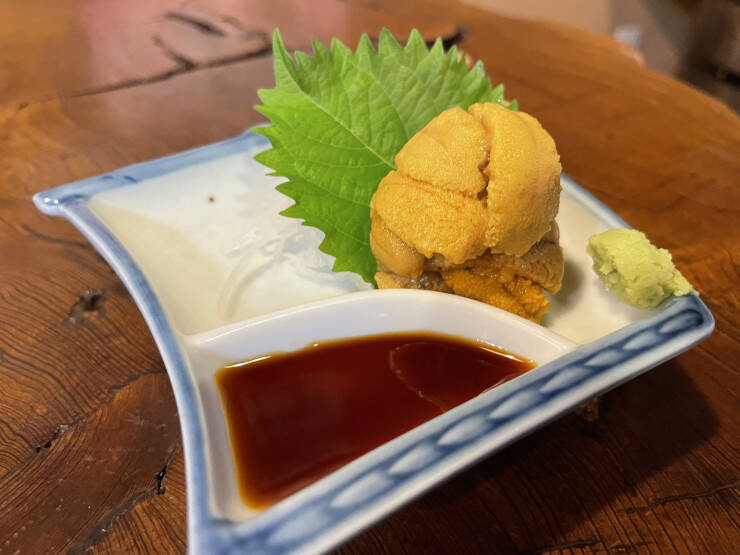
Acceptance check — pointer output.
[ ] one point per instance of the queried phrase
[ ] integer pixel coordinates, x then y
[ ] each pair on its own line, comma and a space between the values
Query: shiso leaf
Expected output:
338, 119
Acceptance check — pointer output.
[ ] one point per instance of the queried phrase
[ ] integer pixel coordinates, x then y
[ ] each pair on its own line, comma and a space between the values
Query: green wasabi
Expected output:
636, 271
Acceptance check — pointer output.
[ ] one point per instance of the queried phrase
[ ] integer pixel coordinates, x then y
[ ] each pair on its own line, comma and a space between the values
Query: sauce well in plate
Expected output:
295, 417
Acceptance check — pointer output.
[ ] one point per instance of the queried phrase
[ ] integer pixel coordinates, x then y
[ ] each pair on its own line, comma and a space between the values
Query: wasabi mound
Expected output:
634, 270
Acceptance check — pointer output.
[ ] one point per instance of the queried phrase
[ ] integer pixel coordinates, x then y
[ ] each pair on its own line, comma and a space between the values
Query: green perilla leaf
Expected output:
339, 118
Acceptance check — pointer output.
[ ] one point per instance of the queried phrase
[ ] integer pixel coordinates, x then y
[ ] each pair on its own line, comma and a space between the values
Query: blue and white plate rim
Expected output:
342, 504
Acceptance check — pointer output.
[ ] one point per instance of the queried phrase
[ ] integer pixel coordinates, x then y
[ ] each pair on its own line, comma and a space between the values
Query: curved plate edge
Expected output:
687, 320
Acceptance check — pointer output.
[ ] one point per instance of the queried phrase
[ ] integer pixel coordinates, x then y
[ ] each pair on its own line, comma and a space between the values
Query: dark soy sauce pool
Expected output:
295, 417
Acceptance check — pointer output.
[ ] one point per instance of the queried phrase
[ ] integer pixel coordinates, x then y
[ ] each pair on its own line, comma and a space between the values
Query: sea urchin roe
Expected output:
471, 208
488, 178
295, 417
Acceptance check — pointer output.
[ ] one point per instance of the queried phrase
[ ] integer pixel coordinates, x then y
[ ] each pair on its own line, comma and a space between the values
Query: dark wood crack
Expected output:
184, 62
59, 432
50, 239
448, 41
161, 488
683, 497
63, 429
89, 304
453, 39
196, 23
185, 65
180, 70
101, 529
497, 522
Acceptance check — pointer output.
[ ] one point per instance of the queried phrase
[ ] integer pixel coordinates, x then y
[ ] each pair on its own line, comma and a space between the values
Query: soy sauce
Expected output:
295, 417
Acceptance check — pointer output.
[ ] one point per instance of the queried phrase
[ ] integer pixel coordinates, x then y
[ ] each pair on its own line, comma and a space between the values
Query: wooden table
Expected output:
90, 449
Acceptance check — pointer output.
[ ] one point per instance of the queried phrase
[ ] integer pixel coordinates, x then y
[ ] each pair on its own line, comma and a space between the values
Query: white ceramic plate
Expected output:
192, 237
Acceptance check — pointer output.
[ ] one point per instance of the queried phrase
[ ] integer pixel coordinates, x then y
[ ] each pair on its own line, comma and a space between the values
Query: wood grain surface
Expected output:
90, 450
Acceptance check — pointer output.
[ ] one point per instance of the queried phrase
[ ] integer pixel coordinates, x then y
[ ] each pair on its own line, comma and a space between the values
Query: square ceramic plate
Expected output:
194, 236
